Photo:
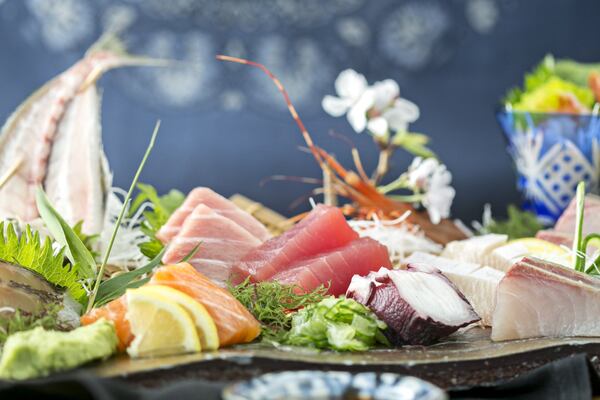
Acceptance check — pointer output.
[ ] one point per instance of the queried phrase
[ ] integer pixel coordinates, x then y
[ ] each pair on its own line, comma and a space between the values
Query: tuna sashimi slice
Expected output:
324, 229
538, 298
336, 268
222, 243
420, 307
478, 284
220, 205
234, 322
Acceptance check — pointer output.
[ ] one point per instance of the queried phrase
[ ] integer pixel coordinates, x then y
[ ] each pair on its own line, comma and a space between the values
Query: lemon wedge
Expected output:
207, 330
505, 256
160, 326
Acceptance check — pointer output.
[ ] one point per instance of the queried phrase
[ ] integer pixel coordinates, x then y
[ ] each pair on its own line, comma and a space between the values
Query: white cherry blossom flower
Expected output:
354, 99
396, 118
434, 181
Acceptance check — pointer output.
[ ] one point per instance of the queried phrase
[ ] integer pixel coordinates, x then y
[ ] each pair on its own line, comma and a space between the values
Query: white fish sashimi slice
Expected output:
476, 249
540, 299
74, 181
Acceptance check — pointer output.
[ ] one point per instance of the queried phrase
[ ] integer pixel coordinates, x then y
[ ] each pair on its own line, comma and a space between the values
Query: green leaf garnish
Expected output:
272, 303
162, 208
126, 201
578, 242
62, 232
28, 251
519, 224
116, 286
337, 323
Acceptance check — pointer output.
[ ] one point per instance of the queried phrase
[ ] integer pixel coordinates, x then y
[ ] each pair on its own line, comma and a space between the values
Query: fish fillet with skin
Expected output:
234, 322
335, 269
324, 229
222, 243
78, 178
27, 136
220, 205
537, 298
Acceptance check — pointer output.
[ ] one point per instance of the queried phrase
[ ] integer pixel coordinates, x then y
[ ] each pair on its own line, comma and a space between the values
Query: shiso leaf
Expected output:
29, 251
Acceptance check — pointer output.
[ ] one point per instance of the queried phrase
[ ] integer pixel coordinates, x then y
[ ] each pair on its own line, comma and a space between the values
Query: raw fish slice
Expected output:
419, 307
220, 205
114, 312
476, 249
77, 182
336, 268
27, 136
563, 231
25, 290
234, 322
222, 243
478, 284
324, 229
540, 299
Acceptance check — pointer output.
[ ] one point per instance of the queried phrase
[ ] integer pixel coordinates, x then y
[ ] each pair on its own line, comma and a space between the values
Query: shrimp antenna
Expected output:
284, 92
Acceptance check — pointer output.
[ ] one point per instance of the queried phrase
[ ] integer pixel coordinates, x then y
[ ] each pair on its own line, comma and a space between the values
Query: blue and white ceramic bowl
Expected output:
332, 385
552, 153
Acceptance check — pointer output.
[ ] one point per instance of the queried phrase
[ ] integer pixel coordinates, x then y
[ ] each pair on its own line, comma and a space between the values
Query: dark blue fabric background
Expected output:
233, 131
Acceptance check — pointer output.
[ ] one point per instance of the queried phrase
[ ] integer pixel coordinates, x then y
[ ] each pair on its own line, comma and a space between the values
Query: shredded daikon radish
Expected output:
400, 238
125, 252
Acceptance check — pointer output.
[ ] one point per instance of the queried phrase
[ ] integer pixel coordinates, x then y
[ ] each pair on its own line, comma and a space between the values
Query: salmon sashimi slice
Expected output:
220, 205
222, 243
235, 324
324, 229
538, 298
336, 268
115, 312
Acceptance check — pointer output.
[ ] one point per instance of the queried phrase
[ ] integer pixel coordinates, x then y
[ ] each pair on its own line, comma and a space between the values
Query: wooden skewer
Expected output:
11, 172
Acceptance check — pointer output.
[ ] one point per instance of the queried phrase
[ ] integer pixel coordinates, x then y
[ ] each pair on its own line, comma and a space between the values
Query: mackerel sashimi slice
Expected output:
323, 230
420, 307
336, 268
538, 298
222, 243
220, 205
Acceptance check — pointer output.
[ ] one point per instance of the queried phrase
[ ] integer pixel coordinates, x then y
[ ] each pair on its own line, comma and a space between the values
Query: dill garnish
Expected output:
272, 303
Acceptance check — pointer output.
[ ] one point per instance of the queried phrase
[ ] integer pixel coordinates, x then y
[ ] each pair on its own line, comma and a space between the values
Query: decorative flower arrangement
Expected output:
386, 116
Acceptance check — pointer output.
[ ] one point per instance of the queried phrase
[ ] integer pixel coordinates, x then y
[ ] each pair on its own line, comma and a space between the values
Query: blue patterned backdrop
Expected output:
225, 126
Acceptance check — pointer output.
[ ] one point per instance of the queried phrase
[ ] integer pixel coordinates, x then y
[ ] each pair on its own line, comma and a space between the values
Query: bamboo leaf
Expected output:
116, 286
62, 232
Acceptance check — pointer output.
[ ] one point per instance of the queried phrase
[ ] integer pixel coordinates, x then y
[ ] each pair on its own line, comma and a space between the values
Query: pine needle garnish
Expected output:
272, 303
29, 251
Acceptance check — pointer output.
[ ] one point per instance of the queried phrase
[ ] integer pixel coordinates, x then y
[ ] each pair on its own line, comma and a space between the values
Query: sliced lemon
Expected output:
545, 250
160, 326
207, 330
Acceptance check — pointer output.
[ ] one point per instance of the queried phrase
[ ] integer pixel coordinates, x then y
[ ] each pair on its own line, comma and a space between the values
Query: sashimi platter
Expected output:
126, 281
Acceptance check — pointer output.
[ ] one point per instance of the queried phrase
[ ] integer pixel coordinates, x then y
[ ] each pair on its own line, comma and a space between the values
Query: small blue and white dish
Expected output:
333, 385
552, 152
